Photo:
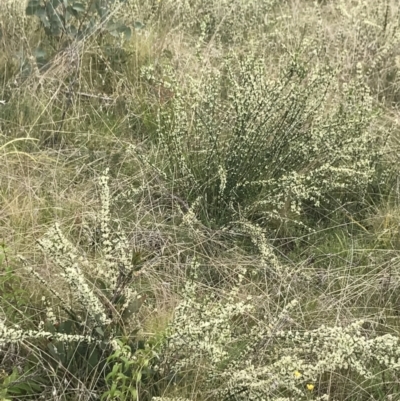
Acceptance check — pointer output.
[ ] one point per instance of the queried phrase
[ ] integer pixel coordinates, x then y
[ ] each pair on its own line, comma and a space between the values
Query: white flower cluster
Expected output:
15, 335
189, 218
64, 254
294, 358
170, 399
202, 330
225, 21
269, 259
275, 359
100, 306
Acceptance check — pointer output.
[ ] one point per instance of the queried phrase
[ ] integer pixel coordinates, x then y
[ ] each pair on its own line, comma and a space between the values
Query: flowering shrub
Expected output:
276, 362
202, 330
258, 147
84, 334
223, 21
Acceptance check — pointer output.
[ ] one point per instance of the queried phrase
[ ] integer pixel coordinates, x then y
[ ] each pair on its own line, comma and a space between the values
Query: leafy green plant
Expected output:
126, 375
14, 385
76, 19
6, 380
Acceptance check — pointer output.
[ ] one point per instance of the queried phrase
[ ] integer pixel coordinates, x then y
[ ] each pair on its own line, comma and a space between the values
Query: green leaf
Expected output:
117, 393
43, 17
19, 389
51, 12
132, 308
138, 377
78, 7
114, 371
111, 26
49, 327
10, 378
53, 351
105, 396
137, 257
99, 331
121, 376
126, 31
23, 388
101, 11
32, 7
40, 53
138, 25
113, 389
103, 345
55, 28
71, 30
67, 327
64, 354
93, 359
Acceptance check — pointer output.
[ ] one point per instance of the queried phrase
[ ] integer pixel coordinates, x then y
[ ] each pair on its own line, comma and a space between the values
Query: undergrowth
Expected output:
199, 200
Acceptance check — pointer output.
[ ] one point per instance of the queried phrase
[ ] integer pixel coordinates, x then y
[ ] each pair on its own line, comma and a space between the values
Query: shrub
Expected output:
226, 22
100, 322
268, 358
260, 148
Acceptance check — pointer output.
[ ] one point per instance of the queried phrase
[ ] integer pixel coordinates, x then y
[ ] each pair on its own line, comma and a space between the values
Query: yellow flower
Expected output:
310, 387
297, 374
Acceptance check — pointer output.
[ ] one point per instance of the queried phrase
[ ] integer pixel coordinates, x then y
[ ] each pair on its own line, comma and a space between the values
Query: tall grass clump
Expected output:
261, 147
